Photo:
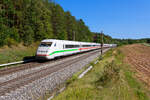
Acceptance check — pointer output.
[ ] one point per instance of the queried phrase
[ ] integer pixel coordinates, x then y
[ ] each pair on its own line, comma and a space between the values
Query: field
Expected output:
138, 56
17, 53
116, 77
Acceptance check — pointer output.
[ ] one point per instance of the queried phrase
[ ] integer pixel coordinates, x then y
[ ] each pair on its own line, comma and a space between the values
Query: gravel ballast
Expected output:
34, 90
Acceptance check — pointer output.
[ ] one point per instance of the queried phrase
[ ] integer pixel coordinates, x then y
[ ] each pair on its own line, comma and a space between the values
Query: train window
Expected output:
72, 46
76, 46
68, 46
86, 45
45, 44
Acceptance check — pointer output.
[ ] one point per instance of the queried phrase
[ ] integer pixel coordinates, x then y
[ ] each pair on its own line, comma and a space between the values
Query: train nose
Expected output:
42, 52
44, 55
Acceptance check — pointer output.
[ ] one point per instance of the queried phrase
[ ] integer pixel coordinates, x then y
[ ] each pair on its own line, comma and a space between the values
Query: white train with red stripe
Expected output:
52, 48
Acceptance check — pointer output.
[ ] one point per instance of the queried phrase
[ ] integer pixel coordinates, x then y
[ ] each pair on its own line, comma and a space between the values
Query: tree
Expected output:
28, 35
71, 26
148, 40
83, 33
58, 22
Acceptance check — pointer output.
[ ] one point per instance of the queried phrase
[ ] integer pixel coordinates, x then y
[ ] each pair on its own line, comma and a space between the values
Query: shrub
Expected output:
11, 42
110, 73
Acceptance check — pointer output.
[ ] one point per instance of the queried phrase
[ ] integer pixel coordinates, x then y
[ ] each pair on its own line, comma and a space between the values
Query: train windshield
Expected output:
45, 44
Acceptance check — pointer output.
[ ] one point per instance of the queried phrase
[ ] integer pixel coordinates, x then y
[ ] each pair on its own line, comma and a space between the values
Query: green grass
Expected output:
16, 53
110, 79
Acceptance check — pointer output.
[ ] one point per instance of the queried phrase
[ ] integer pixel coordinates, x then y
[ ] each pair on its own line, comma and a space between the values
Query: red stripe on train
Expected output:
87, 48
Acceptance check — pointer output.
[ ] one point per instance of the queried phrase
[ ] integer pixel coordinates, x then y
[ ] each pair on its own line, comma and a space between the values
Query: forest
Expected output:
28, 21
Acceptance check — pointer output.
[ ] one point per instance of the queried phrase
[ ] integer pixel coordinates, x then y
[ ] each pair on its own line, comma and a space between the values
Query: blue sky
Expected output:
117, 18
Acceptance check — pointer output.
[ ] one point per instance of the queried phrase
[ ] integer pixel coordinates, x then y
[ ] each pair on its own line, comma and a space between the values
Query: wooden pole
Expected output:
102, 42
74, 36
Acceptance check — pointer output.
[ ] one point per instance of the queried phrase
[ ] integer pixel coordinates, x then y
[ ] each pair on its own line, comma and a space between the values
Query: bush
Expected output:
28, 35
148, 41
11, 42
110, 73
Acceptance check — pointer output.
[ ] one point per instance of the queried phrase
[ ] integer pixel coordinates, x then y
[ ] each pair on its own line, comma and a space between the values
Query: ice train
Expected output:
52, 48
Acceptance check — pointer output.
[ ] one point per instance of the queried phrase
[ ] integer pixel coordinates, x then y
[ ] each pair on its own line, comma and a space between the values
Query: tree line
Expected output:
109, 40
28, 21
131, 41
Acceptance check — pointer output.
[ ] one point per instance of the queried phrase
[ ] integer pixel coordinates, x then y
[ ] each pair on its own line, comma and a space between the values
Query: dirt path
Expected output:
138, 56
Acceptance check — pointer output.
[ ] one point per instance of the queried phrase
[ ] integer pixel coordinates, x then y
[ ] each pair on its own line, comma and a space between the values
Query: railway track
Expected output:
30, 65
10, 85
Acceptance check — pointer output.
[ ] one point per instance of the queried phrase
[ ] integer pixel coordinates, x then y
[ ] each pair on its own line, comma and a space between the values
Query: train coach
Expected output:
51, 48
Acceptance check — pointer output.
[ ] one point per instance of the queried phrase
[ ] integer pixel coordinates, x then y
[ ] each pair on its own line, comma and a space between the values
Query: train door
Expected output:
59, 48
64, 48
55, 49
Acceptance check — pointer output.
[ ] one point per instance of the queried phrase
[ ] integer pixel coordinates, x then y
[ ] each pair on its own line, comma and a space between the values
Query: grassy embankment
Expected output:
17, 53
146, 44
110, 79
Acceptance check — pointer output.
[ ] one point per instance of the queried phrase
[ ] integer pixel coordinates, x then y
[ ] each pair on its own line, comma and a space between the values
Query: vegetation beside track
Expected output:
17, 53
110, 79
146, 44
